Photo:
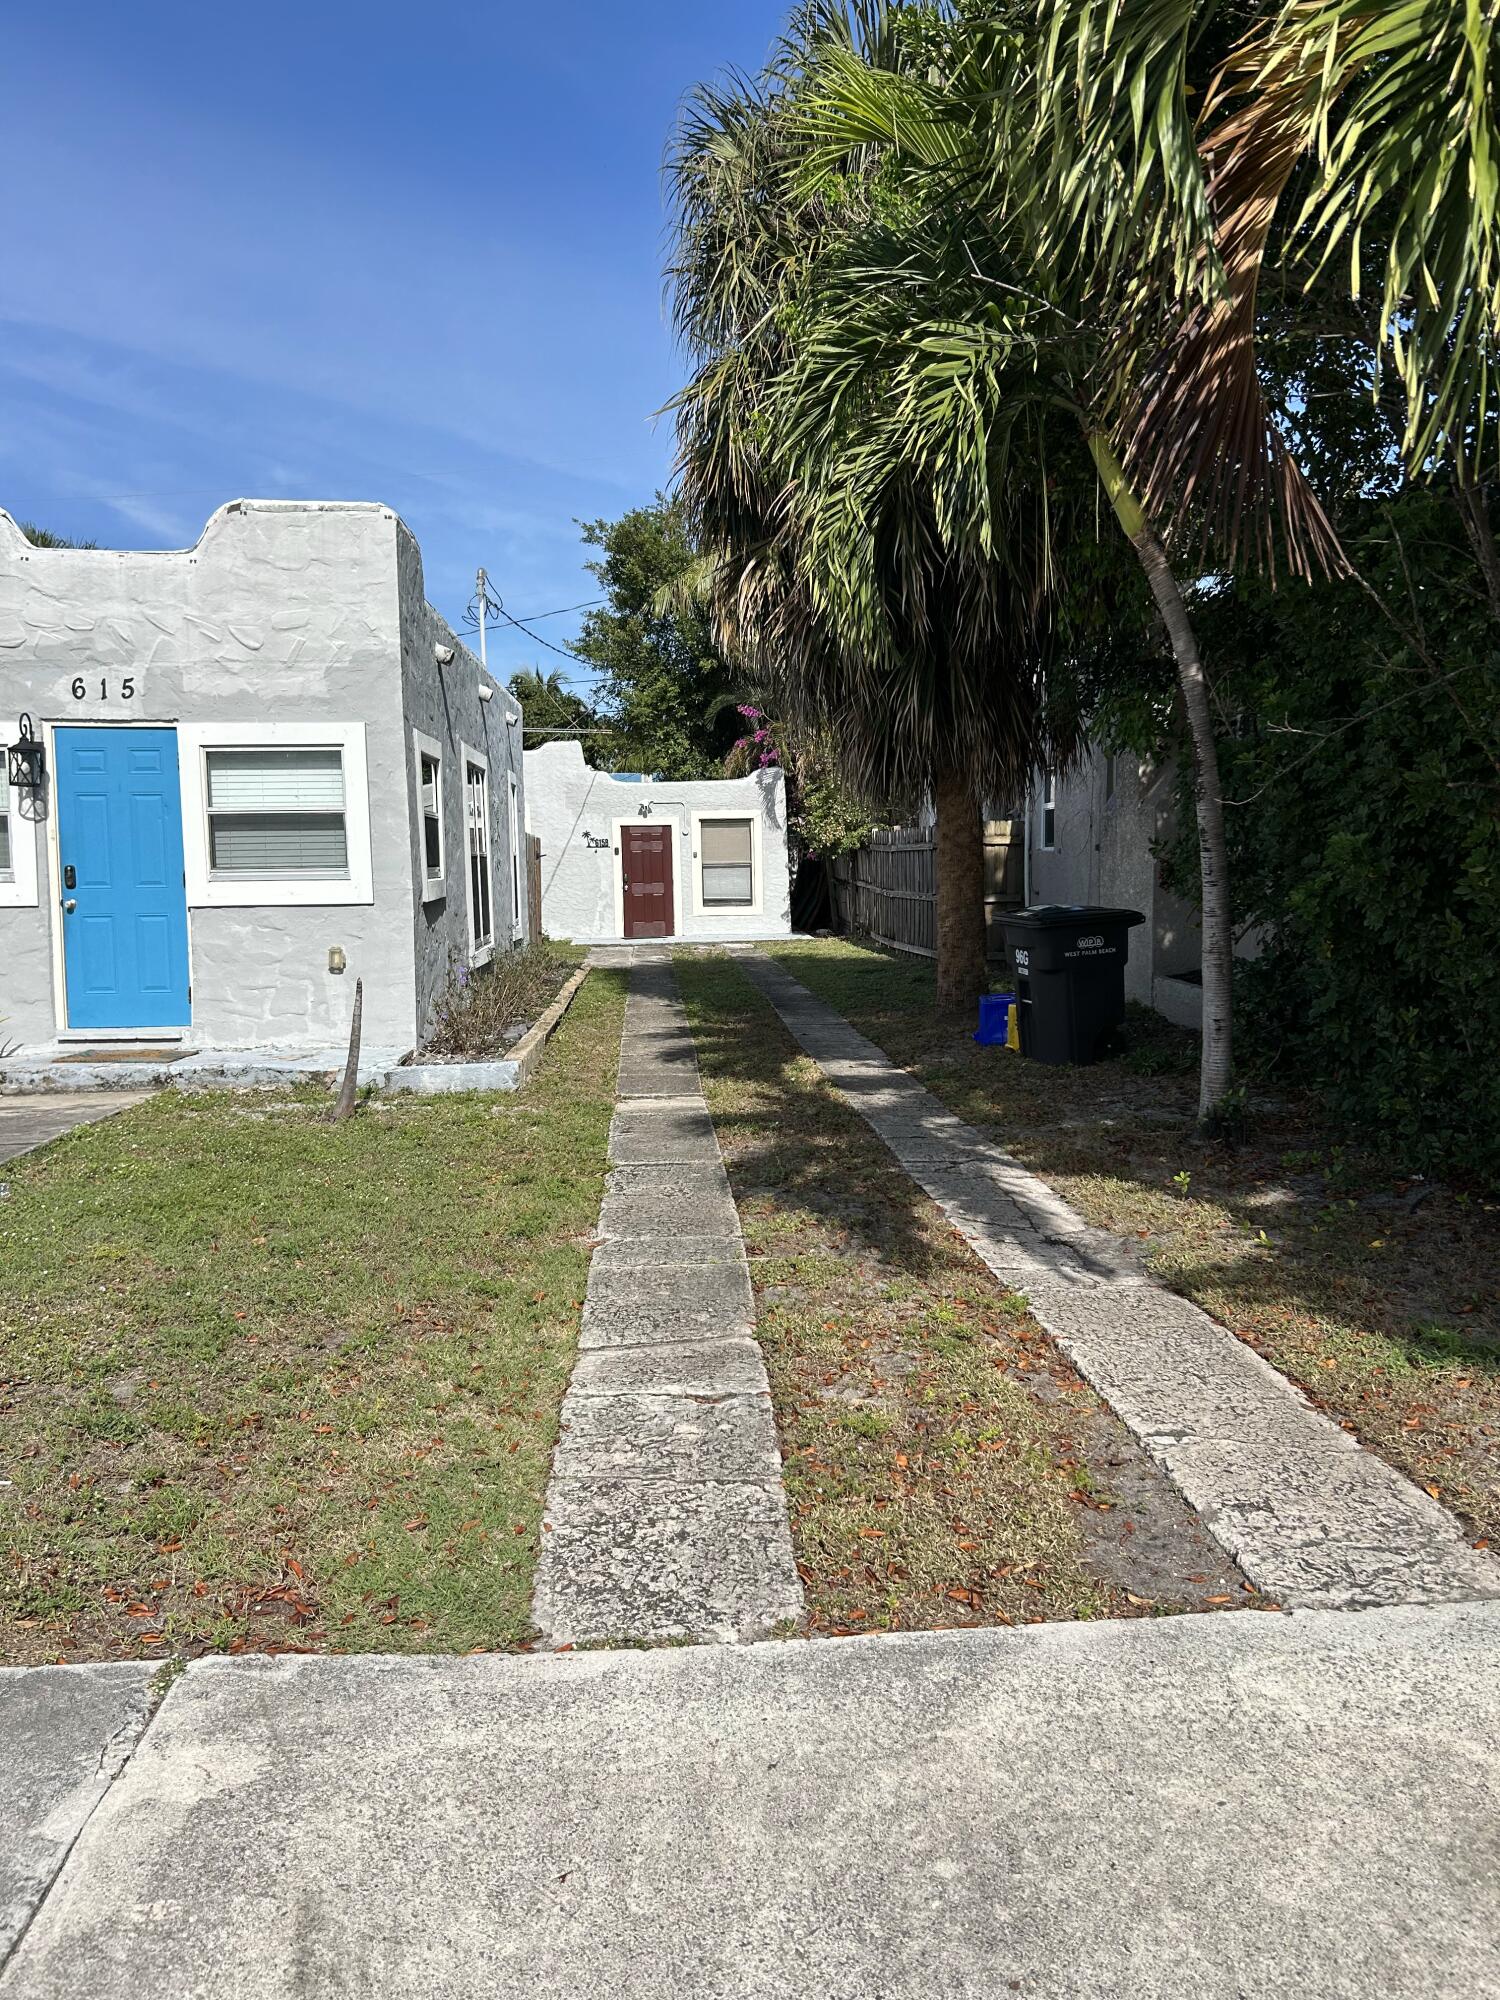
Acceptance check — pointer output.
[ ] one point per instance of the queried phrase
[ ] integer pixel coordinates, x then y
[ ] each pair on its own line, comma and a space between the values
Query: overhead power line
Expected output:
487, 603
587, 605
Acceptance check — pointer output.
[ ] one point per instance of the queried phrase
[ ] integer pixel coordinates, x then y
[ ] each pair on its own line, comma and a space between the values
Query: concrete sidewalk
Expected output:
1246, 1805
30, 1121
665, 1517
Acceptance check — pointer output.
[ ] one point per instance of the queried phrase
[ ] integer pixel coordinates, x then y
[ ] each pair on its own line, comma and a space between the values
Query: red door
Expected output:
646, 868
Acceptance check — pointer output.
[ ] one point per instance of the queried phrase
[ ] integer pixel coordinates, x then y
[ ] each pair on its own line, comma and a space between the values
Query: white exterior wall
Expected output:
578, 813
1102, 854
284, 613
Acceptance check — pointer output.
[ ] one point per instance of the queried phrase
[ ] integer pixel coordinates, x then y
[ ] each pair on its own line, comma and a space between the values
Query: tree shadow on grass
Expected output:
785, 1133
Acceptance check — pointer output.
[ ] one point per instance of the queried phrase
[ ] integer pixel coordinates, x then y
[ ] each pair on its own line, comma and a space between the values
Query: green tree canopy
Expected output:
664, 692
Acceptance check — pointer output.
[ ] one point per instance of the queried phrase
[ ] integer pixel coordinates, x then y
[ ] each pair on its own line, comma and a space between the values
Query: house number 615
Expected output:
126, 690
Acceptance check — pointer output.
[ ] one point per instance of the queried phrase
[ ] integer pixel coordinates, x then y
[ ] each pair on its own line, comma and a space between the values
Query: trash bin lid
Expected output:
1068, 916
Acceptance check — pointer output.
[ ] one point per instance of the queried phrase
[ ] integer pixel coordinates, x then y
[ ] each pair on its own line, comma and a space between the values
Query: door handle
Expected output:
70, 905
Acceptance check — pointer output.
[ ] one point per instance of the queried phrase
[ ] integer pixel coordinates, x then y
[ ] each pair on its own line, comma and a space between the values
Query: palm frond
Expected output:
1401, 117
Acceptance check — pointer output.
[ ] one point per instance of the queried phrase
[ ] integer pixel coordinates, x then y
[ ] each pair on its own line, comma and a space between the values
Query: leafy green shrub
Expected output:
1360, 770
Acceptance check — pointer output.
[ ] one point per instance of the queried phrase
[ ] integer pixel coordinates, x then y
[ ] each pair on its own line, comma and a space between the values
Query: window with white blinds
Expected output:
726, 849
276, 814
432, 819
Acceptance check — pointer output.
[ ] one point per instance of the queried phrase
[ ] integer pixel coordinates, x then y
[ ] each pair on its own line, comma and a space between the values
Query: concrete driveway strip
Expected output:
1312, 1518
665, 1516
1248, 1807
35, 1118
65, 1733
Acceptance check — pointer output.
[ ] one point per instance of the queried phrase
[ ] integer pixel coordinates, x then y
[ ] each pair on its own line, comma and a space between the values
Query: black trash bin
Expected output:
1070, 978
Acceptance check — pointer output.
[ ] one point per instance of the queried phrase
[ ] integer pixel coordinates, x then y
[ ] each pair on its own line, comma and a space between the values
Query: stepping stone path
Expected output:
1311, 1517
665, 1516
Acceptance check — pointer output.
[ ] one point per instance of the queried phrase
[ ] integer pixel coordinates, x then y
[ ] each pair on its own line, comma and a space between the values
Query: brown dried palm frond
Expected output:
1202, 437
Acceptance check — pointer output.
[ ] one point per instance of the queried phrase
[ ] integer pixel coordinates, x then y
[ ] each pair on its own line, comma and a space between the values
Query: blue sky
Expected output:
348, 252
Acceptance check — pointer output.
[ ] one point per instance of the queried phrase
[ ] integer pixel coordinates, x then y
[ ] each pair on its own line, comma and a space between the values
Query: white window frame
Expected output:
718, 912
479, 954
513, 820
1046, 803
206, 891
18, 889
432, 888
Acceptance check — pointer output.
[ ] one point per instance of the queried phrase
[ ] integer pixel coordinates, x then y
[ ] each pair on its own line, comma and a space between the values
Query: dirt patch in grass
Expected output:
1376, 1292
943, 1463
273, 1383
485, 1013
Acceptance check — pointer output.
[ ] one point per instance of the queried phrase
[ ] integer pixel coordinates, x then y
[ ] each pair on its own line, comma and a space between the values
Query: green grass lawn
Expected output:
270, 1382
943, 1464
1380, 1298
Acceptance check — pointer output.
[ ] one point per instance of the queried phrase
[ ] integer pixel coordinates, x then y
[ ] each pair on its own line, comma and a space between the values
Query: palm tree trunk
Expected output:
1216, 1068
1216, 1071
349, 1092
959, 913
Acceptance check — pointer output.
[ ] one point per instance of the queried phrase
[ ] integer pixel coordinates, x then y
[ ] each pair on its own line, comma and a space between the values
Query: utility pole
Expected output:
482, 592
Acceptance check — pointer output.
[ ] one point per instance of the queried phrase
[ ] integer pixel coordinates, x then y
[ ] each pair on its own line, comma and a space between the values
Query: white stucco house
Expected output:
248, 773
631, 859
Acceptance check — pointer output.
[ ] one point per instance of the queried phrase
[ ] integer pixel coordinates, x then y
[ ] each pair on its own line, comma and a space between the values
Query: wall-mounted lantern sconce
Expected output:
644, 811
27, 759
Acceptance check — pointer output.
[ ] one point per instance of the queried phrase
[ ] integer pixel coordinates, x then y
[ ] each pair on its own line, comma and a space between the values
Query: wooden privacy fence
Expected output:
887, 889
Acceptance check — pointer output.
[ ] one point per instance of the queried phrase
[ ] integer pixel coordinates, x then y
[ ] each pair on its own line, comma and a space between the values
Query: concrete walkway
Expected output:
1310, 1516
665, 1516
29, 1121
1246, 1807
65, 1736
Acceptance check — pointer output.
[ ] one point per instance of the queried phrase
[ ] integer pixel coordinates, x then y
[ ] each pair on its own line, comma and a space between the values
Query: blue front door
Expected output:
119, 849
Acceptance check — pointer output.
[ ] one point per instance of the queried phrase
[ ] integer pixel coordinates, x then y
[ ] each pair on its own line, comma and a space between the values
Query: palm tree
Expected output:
1355, 142
43, 538
548, 706
942, 338
1349, 145
874, 607
1062, 234
1103, 258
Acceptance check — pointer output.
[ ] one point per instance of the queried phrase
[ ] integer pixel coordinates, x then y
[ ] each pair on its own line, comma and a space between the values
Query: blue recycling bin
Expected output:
994, 1018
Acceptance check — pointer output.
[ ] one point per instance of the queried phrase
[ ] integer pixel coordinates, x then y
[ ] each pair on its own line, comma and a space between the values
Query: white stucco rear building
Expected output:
632, 859
269, 769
